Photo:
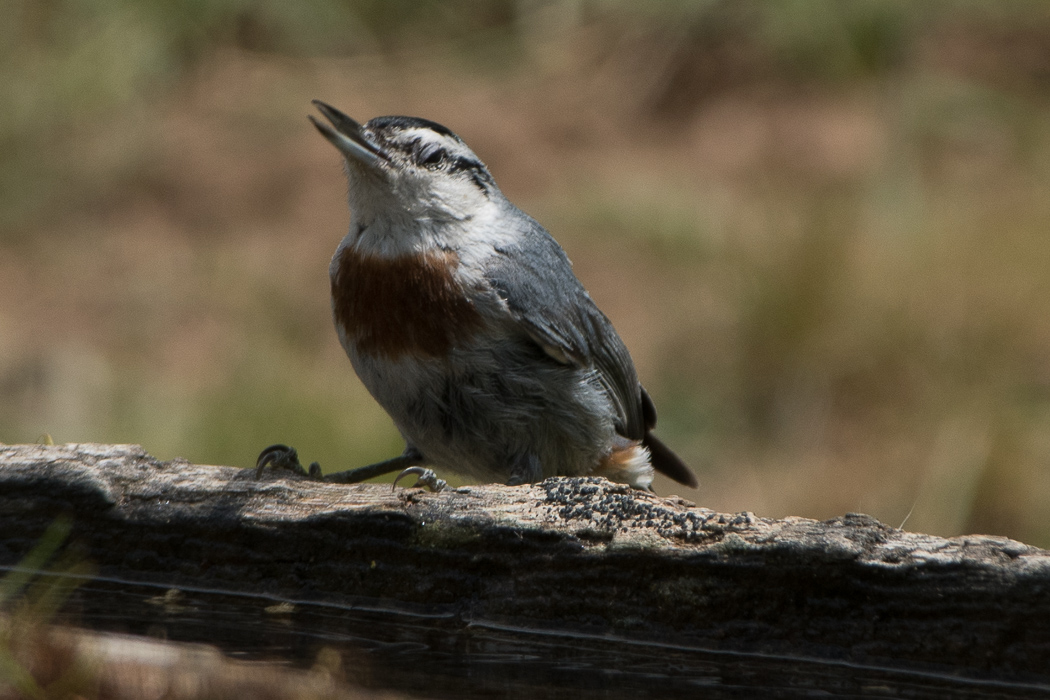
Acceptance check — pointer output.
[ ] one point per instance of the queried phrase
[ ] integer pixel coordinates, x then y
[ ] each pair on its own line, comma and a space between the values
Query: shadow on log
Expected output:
579, 554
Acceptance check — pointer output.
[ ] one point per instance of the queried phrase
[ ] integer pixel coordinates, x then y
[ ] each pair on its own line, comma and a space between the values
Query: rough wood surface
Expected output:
565, 553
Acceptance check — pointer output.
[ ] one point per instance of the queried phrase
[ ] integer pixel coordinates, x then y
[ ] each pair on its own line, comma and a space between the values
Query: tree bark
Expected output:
567, 553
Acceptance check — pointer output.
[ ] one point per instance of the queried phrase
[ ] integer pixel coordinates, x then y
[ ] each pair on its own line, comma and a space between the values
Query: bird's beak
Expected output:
347, 135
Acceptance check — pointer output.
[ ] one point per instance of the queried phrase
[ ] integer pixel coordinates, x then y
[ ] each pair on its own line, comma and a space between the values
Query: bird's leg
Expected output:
286, 458
409, 458
526, 469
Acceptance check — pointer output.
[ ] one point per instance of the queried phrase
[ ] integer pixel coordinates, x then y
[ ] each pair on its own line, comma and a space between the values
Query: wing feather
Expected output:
534, 278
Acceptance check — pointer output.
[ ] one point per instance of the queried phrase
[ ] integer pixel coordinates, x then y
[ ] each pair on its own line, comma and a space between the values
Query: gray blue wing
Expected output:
534, 278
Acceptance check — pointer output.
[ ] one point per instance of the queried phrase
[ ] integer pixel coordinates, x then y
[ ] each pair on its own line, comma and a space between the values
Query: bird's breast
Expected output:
409, 305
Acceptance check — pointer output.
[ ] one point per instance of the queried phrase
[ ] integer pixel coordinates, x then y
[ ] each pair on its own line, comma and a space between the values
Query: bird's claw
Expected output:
427, 478
287, 459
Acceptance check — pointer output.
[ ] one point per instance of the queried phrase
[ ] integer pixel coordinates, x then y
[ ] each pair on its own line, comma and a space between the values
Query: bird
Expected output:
463, 318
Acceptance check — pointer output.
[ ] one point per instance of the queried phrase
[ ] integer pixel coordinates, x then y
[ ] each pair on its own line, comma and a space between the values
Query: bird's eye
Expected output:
434, 157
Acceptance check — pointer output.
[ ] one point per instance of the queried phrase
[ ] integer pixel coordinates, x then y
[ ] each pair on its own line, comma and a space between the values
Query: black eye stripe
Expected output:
440, 158
434, 157
460, 163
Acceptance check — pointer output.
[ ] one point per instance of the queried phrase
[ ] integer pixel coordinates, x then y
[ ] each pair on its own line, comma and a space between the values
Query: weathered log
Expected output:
580, 554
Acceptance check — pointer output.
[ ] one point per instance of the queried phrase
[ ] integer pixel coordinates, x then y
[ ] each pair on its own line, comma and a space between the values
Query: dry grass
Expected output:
835, 288
41, 662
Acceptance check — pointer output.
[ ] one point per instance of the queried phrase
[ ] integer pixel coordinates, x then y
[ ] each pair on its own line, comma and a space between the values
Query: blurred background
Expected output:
821, 226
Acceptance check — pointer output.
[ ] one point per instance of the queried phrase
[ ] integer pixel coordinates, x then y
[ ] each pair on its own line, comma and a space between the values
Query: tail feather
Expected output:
668, 463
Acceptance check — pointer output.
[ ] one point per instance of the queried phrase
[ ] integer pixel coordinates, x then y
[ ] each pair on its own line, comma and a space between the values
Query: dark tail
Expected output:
668, 463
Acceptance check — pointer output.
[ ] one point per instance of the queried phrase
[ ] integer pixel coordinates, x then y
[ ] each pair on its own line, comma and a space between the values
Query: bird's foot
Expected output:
526, 469
285, 458
426, 478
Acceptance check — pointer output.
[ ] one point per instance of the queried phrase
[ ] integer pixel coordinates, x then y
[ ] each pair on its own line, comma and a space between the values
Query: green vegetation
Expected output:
28, 601
821, 226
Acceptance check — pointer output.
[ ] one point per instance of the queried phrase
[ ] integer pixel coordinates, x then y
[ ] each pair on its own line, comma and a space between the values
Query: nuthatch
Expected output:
463, 318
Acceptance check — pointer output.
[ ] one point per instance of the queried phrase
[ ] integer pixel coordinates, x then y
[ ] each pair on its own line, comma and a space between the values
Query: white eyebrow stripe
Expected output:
426, 137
